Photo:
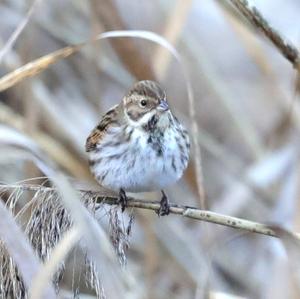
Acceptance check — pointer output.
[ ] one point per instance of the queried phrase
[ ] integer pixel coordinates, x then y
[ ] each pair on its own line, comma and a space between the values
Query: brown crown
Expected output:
148, 88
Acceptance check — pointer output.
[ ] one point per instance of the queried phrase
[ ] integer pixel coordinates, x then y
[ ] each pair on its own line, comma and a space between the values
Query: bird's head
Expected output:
145, 100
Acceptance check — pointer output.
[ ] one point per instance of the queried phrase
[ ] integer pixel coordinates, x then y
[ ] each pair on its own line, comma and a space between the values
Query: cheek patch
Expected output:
135, 114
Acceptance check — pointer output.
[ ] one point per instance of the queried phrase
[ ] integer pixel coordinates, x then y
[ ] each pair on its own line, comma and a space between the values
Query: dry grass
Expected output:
230, 85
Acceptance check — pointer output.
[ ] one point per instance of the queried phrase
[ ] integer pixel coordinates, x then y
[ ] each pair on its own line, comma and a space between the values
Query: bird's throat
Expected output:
150, 126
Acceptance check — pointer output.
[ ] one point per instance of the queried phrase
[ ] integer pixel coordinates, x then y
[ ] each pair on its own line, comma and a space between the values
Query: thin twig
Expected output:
110, 198
254, 16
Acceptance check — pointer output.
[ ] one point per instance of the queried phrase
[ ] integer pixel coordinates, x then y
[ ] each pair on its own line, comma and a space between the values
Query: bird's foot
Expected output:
164, 208
123, 199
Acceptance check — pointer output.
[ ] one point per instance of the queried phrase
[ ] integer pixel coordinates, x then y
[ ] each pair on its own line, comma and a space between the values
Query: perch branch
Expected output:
254, 16
110, 198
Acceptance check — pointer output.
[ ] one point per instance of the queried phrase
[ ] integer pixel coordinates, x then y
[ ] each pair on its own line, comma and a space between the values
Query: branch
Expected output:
107, 197
253, 15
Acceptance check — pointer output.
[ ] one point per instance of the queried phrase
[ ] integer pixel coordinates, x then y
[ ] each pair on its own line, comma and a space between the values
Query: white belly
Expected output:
137, 166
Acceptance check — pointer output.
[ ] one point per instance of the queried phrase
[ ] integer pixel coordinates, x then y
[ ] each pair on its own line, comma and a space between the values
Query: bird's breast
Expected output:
144, 162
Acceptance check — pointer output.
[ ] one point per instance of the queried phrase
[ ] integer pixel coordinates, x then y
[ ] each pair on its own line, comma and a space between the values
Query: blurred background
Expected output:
247, 113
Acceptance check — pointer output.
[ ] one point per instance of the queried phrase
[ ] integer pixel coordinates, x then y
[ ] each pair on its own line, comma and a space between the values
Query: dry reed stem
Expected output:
257, 53
110, 198
254, 16
52, 147
10, 42
172, 31
50, 267
20, 250
195, 139
126, 49
34, 67
249, 40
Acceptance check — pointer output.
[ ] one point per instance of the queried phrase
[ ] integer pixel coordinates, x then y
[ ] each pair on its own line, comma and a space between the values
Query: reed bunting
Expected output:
139, 145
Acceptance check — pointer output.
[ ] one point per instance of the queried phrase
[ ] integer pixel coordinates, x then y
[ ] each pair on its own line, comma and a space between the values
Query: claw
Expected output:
164, 208
123, 200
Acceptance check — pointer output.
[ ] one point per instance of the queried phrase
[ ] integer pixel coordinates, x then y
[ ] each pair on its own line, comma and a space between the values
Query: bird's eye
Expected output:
143, 103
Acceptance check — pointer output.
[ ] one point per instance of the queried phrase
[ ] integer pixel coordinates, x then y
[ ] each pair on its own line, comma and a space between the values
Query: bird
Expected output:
139, 145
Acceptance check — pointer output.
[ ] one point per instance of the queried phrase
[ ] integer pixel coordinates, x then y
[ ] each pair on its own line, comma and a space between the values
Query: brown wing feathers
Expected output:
110, 118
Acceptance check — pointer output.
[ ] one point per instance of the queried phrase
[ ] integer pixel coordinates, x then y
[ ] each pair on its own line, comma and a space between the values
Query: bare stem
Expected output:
110, 198
254, 16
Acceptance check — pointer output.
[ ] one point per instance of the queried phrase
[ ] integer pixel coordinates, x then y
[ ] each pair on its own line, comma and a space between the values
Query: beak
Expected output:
163, 105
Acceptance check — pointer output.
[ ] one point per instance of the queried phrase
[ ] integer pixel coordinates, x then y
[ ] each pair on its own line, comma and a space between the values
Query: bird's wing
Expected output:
97, 134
